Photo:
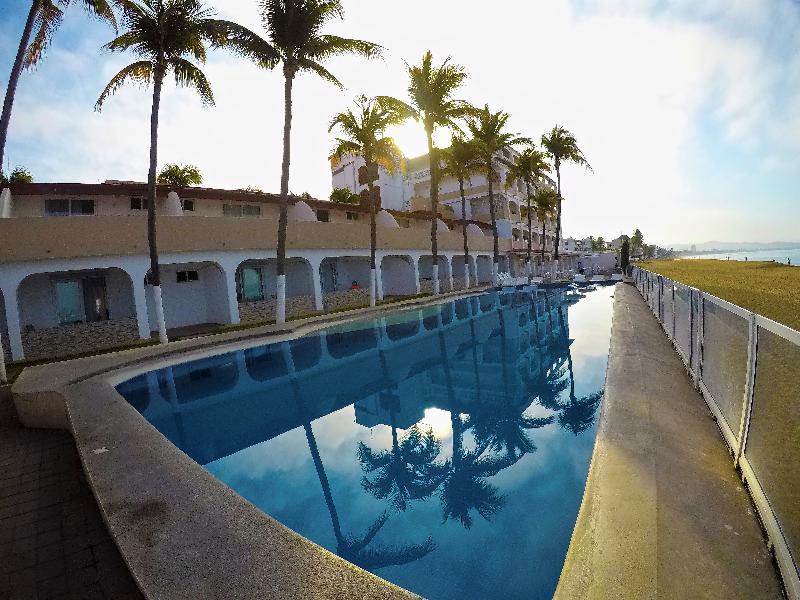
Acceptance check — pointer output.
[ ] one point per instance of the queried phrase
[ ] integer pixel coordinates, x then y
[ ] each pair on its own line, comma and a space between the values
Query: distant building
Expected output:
693, 248
616, 243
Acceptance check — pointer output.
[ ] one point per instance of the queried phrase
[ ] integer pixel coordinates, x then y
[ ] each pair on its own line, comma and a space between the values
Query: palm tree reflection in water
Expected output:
500, 425
358, 550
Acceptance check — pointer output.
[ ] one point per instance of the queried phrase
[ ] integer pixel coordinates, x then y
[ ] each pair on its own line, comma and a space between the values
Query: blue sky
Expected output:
688, 110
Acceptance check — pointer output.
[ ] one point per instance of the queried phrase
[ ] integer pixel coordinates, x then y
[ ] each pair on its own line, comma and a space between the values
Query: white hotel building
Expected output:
73, 257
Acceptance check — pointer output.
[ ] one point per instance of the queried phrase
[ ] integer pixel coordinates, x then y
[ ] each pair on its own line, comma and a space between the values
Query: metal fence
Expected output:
747, 368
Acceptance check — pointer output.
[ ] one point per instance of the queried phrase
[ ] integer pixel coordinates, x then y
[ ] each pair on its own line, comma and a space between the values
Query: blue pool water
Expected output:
444, 449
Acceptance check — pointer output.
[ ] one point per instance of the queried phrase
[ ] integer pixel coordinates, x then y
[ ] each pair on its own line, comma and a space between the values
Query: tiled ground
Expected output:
53, 542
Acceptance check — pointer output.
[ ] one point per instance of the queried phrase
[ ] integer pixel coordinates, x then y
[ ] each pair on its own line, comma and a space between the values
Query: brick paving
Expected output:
53, 541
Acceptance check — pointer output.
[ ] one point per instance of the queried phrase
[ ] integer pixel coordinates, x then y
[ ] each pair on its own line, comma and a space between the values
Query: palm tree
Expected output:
295, 31
363, 136
163, 33
530, 167
505, 428
460, 161
44, 16
486, 128
562, 147
544, 202
432, 90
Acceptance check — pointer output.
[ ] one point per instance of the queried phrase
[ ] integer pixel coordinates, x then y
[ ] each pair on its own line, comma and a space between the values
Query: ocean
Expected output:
791, 255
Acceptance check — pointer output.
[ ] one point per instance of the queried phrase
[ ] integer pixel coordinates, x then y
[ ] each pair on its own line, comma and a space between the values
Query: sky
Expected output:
687, 110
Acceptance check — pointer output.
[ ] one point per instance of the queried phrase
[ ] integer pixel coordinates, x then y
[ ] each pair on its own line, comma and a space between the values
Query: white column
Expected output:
379, 277
373, 286
316, 274
280, 297
450, 273
140, 303
158, 305
12, 319
233, 302
415, 264
435, 277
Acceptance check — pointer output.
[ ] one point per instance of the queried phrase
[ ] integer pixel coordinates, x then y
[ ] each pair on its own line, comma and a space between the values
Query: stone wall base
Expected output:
345, 298
77, 338
259, 311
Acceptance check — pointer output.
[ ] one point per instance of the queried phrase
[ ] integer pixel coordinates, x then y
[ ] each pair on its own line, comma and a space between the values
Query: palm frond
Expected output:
140, 72
188, 75
48, 20
226, 34
309, 65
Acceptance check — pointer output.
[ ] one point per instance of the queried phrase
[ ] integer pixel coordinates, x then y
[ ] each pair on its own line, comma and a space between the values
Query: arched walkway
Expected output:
195, 295
345, 281
484, 269
397, 276
256, 289
426, 274
71, 312
459, 282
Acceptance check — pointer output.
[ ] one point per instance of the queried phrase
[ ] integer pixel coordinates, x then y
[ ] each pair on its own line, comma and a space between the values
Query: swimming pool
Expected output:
444, 449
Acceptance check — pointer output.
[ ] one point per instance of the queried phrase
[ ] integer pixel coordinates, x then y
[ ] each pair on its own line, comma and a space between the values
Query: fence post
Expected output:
749, 389
701, 334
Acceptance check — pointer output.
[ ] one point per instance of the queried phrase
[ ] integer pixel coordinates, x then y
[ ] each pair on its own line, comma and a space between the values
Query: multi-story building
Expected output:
73, 260
410, 191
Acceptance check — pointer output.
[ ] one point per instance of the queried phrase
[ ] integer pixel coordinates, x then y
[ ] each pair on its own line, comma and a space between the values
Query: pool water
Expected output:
444, 449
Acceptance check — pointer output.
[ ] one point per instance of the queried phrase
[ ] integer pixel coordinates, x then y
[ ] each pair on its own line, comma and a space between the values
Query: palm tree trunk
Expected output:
530, 231
433, 159
558, 210
464, 232
155, 272
496, 244
13, 80
373, 242
280, 263
541, 242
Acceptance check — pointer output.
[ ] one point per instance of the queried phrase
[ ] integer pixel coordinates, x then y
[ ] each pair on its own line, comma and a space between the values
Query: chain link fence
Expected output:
747, 368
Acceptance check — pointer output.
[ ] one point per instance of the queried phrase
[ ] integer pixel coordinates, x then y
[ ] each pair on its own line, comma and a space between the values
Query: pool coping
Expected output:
182, 532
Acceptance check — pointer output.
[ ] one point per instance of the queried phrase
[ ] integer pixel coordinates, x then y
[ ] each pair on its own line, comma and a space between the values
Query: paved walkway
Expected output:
665, 514
53, 542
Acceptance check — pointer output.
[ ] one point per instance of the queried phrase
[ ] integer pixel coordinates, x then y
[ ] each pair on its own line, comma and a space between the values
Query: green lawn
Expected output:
770, 289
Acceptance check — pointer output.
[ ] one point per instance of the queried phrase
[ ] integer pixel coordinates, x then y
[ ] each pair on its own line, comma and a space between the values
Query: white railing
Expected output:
747, 368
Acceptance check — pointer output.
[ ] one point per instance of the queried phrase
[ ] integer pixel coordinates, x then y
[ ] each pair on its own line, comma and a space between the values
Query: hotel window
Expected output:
252, 284
323, 216
186, 276
65, 208
352, 216
232, 210
81, 300
188, 205
138, 203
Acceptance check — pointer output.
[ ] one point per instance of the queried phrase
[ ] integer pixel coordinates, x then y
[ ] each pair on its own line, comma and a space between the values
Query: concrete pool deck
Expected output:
664, 514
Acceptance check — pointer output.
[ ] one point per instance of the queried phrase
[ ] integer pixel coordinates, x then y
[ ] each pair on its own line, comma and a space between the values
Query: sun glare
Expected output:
410, 137
438, 420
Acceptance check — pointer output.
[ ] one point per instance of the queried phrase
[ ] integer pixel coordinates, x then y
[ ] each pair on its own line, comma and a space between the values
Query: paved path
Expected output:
53, 542
665, 514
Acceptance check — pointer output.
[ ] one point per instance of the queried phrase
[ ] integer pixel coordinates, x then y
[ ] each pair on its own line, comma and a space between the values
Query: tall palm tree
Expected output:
460, 161
487, 128
530, 166
44, 17
165, 34
432, 90
562, 147
294, 29
544, 201
363, 135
